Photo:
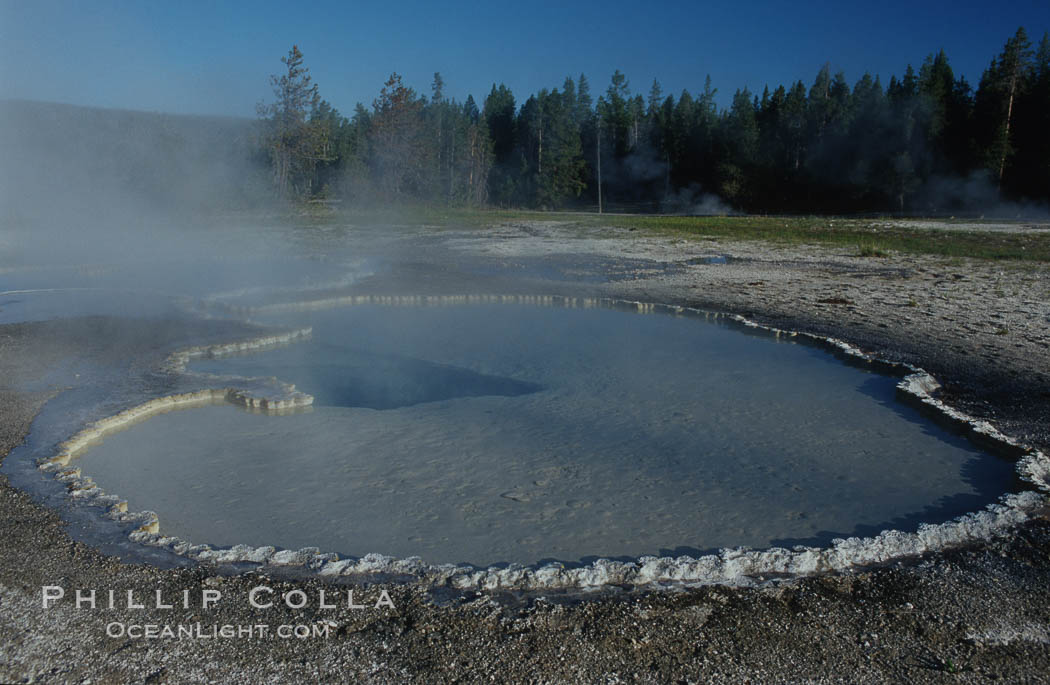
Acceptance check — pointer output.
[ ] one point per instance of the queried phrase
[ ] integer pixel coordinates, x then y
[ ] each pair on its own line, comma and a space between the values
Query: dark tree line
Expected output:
924, 142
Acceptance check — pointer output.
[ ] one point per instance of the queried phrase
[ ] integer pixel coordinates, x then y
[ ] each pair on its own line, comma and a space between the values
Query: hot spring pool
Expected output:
494, 433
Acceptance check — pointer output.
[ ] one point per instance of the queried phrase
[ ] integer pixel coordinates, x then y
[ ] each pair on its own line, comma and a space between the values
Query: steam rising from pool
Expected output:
508, 433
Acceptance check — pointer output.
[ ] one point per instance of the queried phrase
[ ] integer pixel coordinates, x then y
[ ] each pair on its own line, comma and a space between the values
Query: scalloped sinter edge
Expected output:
739, 566
453, 300
83, 488
177, 361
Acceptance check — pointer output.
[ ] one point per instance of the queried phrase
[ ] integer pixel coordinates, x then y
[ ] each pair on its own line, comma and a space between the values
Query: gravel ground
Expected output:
967, 615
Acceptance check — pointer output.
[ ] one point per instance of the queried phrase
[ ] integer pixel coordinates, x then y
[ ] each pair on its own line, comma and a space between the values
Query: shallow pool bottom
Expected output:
507, 433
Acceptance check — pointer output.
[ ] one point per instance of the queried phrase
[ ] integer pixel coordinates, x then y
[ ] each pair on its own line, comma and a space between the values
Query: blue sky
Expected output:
214, 58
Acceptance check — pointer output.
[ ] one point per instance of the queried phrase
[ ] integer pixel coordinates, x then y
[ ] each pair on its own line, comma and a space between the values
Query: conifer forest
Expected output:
923, 142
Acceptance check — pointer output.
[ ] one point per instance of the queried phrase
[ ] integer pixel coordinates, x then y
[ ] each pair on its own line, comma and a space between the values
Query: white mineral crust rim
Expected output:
730, 566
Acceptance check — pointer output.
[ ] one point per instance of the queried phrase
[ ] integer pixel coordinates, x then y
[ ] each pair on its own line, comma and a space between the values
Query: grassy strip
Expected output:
867, 237
870, 238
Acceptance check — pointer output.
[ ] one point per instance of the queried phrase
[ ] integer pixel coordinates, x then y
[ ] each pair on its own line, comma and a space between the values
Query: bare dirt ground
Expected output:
974, 614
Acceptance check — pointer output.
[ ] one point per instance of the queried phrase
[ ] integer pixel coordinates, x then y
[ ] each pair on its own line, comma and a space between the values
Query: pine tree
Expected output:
656, 95
479, 158
357, 183
741, 136
568, 94
584, 103
588, 124
936, 82
818, 107
684, 164
959, 145
866, 141
741, 126
294, 144
331, 140
560, 178
498, 114
657, 118
615, 116
399, 152
793, 126
1028, 173
996, 97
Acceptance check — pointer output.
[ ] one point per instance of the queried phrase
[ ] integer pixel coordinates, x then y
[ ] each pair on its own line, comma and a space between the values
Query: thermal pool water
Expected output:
493, 433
